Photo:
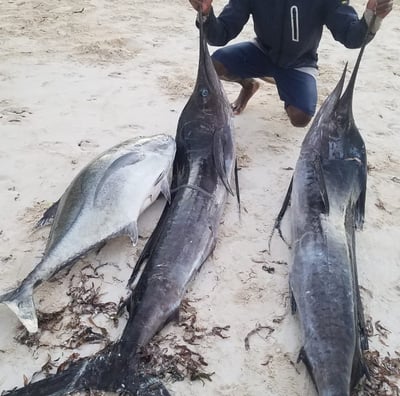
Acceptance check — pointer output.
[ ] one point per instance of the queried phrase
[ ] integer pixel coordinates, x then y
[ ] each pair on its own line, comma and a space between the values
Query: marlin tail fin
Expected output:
108, 371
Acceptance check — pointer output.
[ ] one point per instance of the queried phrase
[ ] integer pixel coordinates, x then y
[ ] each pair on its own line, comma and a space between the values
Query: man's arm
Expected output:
380, 8
229, 23
342, 20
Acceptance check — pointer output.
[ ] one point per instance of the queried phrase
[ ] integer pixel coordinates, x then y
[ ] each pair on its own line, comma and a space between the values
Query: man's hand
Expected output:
205, 5
380, 8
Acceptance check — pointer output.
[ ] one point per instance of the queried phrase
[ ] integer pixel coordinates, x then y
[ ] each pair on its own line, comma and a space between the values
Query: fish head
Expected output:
208, 109
346, 141
151, 155
333, 132
208, 102
323, 121
158, 158
159, 143
162, 144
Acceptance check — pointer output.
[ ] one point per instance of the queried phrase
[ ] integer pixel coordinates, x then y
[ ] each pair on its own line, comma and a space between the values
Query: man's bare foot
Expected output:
249, 88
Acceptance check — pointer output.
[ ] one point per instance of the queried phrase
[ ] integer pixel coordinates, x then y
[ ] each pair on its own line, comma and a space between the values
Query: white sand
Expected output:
77, 77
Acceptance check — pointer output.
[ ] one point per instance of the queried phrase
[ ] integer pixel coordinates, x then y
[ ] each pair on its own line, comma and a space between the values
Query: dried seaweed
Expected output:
173, 363
256, 331
384, 372
74, 324
169, 359
384, 375
85, 336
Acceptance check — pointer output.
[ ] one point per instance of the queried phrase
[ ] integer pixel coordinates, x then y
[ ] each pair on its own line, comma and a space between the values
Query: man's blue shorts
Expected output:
246, 60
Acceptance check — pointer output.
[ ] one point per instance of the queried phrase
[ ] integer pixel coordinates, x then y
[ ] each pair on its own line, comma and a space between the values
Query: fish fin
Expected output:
222, 145
140, 263
359, 368
281, 214
319, 172
20, 301
121, 162
164, 182
133, 233
364, 344
109, 371
174, 317
360, 206
293, 303
48, 216
146, 252
304, 358
165, 189
362, 328
237, 187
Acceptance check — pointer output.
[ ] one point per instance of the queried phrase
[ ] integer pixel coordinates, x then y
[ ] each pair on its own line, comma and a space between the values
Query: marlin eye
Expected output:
204, 92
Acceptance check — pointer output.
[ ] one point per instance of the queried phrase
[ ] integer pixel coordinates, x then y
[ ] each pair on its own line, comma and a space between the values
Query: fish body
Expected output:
327, 198
103, 201
327, 205
181, 242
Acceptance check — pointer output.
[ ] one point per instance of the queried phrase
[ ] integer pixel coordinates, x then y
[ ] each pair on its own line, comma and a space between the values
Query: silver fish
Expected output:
103, 201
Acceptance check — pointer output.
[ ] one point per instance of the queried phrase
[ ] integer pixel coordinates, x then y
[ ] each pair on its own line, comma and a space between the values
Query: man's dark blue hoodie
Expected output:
289, 31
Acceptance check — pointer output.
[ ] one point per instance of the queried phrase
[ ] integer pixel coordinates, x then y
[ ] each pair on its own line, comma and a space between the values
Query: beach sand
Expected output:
79, 76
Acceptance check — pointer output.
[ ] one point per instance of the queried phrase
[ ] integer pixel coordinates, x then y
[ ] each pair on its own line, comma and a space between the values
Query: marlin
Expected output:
327, 199
182, 241
102, 202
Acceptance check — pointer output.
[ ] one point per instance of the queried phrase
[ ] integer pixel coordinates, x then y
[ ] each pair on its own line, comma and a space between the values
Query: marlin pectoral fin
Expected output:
48, 216
222, 144
321, 185
293, 304
237, 186
126, 160
281, 214
359, 368
361, 319
360, 207
304, 358
133, 233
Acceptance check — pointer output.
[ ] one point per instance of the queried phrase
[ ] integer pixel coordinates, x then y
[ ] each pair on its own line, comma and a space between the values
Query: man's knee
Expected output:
297, 117
220, 69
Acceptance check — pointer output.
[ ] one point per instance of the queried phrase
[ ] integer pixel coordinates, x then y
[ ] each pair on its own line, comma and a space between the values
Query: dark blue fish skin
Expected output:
181, 242
327, 198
